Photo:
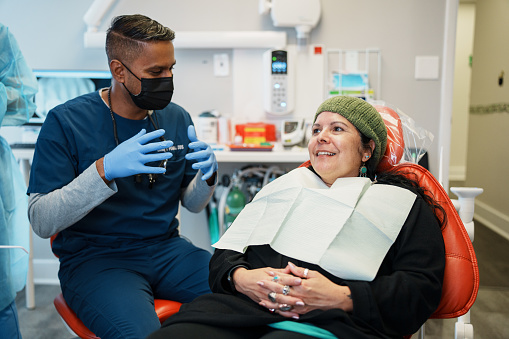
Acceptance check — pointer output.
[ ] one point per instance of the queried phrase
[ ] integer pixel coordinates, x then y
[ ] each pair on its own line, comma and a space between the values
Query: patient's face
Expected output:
335, 148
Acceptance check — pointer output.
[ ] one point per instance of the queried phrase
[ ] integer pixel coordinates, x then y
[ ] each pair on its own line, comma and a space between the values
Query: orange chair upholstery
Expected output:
164, 309
461, 278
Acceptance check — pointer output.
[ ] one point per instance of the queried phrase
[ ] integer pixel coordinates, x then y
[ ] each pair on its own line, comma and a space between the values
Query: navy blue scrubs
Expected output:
126, 251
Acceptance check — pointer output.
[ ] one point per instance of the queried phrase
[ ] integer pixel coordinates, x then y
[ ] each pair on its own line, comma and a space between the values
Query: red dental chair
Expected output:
164, 309
461, 278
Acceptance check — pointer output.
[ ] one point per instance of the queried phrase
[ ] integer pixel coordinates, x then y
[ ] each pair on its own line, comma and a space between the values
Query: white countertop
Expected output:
262, 156
221, 156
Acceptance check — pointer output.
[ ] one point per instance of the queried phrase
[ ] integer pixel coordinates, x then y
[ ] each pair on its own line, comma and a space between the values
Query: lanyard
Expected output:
151, 176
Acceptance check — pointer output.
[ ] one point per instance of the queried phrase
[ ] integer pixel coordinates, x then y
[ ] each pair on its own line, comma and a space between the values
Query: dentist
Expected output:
109, 170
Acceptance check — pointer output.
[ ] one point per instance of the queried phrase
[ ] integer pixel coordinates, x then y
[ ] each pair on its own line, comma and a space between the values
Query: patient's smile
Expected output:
325, 153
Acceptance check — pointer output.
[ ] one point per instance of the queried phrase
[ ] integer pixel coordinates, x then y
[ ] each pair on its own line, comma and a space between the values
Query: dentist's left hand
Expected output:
203, 154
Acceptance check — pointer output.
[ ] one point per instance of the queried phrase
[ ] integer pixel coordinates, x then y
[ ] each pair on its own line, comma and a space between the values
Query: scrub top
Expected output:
79, 132
18, 86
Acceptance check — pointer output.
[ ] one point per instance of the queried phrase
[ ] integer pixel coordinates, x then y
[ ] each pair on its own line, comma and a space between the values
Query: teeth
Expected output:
325, 153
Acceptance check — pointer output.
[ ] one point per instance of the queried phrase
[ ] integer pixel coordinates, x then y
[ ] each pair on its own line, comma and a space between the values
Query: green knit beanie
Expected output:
363, 116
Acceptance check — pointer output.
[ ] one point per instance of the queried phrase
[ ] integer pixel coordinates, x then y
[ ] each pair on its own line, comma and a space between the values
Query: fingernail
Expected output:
262, 304
295, 316
297, 281
260, 283
271, 273
300, 303
291, 264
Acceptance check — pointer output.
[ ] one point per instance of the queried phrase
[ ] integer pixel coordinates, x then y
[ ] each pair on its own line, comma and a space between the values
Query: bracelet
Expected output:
229, 277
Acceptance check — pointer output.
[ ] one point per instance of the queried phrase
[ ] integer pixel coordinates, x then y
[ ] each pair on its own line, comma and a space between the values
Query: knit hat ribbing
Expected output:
363, 116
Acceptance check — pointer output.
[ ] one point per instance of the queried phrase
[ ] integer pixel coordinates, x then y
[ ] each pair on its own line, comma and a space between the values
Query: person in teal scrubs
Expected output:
18, 87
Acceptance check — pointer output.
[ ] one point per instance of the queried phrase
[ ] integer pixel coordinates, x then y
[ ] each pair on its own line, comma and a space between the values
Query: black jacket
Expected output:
405, 292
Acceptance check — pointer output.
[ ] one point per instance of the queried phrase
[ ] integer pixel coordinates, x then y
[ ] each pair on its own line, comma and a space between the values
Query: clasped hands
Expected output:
129, 157
291, 291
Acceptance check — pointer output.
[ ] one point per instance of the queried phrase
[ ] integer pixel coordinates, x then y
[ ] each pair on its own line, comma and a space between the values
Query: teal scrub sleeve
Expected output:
19, 83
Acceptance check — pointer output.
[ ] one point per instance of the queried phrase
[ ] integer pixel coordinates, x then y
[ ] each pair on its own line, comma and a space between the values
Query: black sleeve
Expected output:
220, 265
408, 286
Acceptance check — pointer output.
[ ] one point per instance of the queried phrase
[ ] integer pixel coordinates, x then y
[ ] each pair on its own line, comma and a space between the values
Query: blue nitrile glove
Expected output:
203, 154
130, 157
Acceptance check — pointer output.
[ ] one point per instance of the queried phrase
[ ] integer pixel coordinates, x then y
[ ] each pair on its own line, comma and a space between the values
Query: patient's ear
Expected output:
372, 146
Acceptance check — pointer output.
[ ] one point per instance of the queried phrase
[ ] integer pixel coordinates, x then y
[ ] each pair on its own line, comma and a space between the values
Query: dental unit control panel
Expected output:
278, 82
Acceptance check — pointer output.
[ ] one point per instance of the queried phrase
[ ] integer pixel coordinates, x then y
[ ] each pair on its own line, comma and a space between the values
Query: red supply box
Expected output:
256, 132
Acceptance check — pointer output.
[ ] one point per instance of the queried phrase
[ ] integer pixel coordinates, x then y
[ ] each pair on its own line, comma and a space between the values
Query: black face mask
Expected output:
155, 93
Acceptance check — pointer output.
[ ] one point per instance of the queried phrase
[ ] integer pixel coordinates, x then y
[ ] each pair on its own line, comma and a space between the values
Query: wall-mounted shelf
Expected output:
91, 74
94, 38
207, 39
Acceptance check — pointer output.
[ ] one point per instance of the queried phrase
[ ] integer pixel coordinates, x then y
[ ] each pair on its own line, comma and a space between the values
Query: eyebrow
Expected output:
332, 123
159, 66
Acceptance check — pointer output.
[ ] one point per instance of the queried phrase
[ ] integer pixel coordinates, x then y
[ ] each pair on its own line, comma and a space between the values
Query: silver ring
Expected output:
285, 307
286, 290
306, 271
275, 279
272, 310
272, 297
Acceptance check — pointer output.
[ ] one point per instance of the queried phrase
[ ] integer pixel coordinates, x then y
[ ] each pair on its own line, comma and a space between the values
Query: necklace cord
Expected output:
112, 117
151, 177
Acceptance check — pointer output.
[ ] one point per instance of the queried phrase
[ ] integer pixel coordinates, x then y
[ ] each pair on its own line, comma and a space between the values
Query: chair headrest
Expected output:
395, 140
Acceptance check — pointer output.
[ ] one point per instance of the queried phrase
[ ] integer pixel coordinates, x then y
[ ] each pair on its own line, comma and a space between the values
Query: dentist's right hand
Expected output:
129, 158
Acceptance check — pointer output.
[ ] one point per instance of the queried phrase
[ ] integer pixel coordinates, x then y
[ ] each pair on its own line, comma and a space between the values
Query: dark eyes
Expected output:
158, 72
334, 129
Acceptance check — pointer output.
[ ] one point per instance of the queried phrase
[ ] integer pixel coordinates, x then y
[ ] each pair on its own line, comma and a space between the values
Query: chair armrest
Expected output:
466, 200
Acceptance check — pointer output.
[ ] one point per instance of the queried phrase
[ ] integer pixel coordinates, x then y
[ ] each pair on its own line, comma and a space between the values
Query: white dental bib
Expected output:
346, 229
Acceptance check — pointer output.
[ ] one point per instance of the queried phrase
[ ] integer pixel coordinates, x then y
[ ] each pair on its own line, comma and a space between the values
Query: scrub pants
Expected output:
9, 325
113, 293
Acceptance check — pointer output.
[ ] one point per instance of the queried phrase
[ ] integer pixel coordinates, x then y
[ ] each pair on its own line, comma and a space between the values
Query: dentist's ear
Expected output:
117, 70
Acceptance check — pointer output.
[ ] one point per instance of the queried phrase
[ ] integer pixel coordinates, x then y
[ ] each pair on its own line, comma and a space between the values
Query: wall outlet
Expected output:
221, 65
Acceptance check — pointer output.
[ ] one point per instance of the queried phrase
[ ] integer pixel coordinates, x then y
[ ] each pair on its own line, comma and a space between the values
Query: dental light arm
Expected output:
301, 14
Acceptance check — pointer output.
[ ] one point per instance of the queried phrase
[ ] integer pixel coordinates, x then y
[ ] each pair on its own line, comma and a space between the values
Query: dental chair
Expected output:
461, 277
164, 309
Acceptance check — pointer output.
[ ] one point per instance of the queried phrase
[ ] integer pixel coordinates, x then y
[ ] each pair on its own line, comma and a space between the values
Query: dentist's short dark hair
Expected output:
125, 37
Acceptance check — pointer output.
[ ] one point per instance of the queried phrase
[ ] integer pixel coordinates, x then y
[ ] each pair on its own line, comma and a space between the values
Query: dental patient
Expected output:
333, 250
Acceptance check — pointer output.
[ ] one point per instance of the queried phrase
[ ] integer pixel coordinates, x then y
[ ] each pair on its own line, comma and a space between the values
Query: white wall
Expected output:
50, 34
461, 96
487, 163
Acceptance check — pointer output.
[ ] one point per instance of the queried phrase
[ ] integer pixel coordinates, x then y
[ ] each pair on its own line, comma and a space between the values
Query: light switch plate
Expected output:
427, 67
221, 65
